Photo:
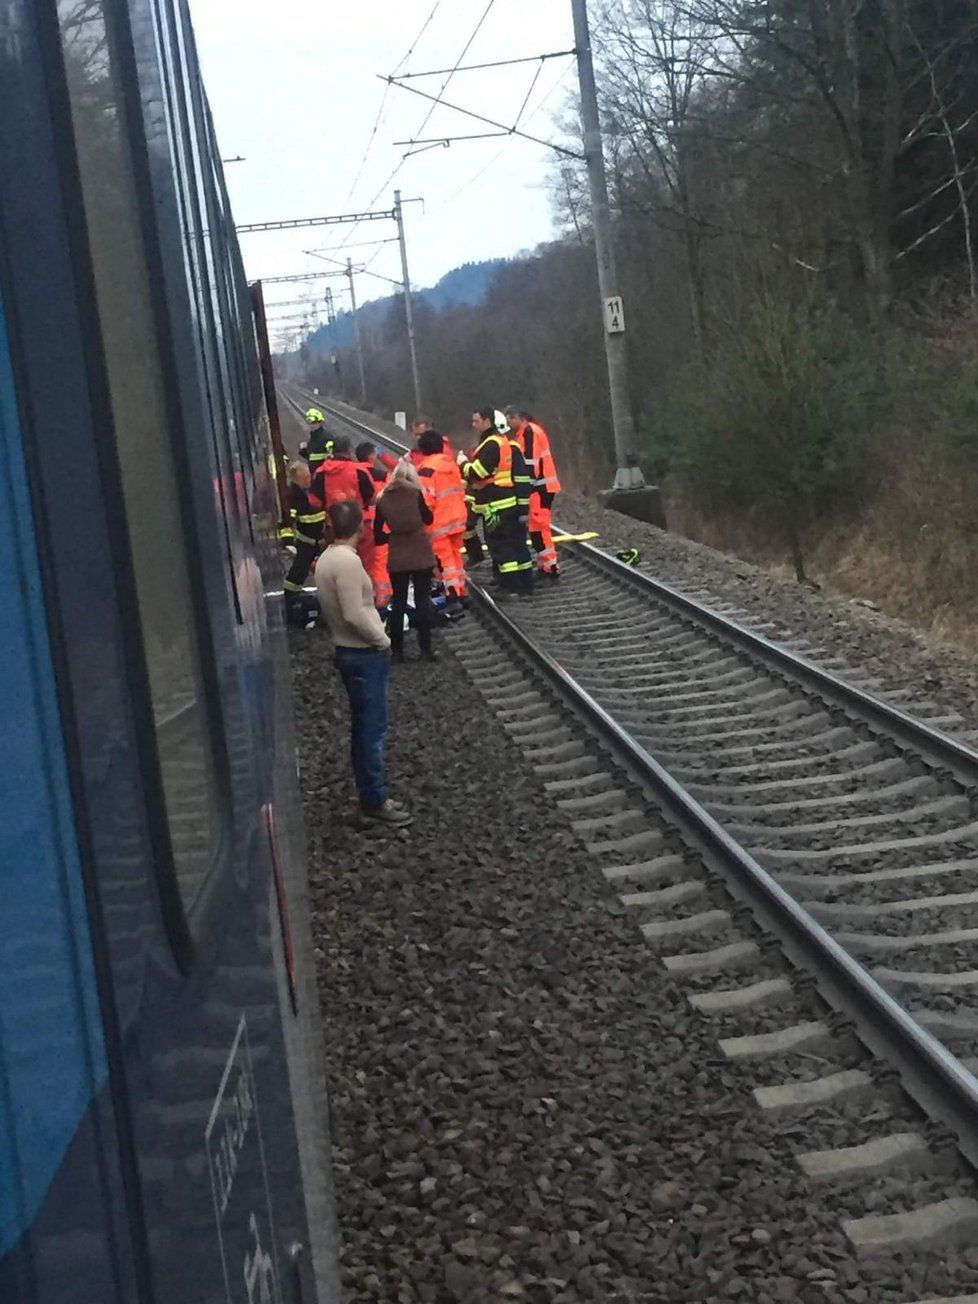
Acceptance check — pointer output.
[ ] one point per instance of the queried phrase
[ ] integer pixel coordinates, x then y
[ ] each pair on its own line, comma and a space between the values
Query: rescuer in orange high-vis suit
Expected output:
373, 554
535, 445
340, 478
420, 427
444, 491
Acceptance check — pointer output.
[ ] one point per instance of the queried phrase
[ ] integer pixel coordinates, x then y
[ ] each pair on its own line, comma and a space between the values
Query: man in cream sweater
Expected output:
346, 600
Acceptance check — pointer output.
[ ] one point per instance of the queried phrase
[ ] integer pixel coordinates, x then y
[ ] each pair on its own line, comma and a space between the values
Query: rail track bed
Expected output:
876, 841
532, 1103
855, 827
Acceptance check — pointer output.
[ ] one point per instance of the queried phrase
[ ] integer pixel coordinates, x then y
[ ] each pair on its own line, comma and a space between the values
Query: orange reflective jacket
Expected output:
535, 443
444, 493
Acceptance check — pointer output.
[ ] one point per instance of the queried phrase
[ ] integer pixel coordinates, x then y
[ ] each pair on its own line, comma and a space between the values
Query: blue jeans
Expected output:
365, 674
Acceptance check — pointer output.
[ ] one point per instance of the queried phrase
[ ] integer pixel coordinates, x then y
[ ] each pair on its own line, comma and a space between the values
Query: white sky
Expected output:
293, 87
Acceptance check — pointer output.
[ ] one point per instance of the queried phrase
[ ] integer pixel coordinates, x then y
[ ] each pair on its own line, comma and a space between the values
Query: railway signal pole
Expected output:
612, 309
356, 331
406, 279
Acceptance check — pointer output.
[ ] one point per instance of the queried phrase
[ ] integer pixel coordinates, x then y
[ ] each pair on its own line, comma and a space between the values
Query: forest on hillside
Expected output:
795, 195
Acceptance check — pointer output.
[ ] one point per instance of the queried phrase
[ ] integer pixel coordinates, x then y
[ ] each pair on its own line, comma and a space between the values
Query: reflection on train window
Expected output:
149, 475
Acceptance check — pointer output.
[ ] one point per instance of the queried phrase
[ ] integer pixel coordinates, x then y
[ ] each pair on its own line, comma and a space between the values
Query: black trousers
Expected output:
422, 608
305, 555
511, 561
474, 552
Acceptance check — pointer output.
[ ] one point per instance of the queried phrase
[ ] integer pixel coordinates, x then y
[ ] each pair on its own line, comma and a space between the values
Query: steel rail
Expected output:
935, 1077
941, 749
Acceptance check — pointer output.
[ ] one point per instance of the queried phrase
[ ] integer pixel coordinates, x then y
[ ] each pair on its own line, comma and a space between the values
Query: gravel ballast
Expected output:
525, 1106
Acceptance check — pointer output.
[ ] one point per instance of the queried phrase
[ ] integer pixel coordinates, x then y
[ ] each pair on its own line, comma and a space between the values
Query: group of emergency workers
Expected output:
507, 483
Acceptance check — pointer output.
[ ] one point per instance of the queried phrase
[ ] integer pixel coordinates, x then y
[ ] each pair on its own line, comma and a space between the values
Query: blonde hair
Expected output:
403, 473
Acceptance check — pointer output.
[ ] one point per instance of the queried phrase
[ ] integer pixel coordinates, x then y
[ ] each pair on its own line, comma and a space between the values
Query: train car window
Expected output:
166, 608
193, 206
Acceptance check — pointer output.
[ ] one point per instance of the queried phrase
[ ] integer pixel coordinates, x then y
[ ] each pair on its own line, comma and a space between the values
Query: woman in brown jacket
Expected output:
400, 523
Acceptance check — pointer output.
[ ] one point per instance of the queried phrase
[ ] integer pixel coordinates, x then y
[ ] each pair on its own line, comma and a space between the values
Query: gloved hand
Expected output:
462, 458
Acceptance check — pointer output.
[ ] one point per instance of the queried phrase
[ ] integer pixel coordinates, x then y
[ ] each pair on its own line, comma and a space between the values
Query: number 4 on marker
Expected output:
614, 315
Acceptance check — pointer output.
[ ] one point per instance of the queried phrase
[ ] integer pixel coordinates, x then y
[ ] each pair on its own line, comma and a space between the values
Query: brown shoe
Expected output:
389, 813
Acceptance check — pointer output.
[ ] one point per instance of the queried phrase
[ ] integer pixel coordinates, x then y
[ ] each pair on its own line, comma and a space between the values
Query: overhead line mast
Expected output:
396, 215
623, 425
615, 350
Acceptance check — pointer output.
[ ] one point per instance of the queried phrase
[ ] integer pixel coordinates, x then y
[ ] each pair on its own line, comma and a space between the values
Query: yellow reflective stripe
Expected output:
312, 518
304, 538
478, 469
292, 588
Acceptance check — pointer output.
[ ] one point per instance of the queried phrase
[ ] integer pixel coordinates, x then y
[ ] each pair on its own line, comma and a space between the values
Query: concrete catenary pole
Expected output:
611, 305
406, 279
356, 331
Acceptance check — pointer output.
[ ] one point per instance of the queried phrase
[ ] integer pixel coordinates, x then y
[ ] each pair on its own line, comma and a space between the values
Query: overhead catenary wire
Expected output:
526, 97
445, 84
538, 108
477, 67
360, 271
361, 244
383, 102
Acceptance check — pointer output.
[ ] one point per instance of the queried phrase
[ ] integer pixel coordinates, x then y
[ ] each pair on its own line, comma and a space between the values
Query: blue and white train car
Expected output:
161, 1099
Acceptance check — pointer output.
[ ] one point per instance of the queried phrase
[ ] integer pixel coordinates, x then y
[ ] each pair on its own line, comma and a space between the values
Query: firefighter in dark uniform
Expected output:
307, 527
499, 481
319, 442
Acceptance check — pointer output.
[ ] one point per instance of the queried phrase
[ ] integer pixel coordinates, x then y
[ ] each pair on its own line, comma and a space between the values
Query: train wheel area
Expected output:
525, 1103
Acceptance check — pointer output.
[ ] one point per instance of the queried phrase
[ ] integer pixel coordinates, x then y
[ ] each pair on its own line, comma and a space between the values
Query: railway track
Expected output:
848, 825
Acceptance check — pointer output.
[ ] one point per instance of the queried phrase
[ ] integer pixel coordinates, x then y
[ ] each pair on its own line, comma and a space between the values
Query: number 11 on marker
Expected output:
614, 315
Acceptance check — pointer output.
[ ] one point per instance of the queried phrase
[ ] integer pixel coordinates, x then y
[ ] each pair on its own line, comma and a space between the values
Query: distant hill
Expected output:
467, 284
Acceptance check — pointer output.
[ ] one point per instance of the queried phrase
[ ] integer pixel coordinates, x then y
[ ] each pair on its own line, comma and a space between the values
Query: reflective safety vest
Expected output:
319, 447
307, 519
441, 482
497, 476
535, 444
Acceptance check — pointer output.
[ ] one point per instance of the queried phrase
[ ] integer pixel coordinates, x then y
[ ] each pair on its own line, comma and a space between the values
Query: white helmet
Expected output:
500, 423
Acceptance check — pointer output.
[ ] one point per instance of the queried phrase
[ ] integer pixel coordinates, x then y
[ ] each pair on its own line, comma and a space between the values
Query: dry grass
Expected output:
914, 553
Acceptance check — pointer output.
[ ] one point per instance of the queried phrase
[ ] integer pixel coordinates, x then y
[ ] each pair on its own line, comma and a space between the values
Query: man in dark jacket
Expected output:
307, 529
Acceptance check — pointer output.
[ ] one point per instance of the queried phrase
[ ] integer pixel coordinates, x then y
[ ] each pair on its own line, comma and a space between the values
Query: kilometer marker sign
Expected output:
614, 315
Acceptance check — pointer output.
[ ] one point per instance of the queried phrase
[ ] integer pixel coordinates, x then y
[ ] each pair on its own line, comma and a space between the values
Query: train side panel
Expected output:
152, 520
